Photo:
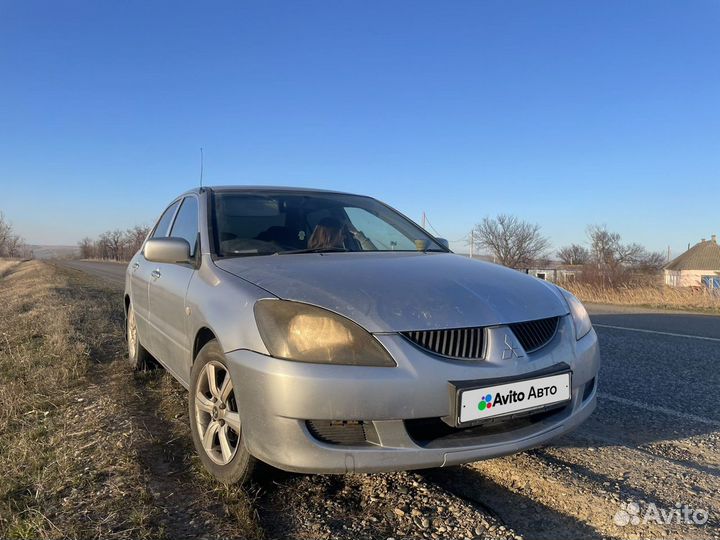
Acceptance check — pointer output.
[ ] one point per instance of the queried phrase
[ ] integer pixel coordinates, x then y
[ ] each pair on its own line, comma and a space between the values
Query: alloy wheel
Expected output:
216, 413
131, 333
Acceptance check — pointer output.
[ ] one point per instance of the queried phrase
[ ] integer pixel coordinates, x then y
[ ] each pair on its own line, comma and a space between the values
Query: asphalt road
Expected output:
654, 439
109, 271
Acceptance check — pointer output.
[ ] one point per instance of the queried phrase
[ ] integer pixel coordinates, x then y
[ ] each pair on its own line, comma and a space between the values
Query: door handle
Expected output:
135, 265
155, 273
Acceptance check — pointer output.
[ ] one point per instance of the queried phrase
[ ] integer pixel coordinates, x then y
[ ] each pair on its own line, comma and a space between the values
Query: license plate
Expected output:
478, 404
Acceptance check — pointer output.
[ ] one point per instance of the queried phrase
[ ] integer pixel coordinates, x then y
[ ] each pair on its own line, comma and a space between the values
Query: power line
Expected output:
425, 218
469, 238
462, 238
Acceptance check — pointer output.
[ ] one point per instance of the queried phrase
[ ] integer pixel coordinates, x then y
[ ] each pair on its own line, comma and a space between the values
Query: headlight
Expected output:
579, 314
305, 333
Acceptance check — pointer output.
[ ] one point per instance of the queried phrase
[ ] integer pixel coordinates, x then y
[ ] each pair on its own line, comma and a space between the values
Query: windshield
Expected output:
266, 223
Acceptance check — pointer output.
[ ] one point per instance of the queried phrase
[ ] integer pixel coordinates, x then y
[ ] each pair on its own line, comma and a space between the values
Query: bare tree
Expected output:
11, 244
134, 239
103, 249
14, 246
513, 242
5, 233
574, 254
117, 245
650, 262
613, 259
607, 248
87, 248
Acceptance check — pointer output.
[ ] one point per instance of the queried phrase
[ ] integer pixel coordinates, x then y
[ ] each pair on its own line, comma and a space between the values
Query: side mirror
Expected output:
167, 250
443, 242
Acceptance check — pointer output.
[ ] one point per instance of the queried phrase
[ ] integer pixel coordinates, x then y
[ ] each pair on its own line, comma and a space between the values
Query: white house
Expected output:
557, 273
698, 266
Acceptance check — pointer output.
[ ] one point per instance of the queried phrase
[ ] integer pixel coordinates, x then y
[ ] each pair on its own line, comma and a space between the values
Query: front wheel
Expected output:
215, 418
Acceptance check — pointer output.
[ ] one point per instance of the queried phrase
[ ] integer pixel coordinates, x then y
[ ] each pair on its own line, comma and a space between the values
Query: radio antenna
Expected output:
201, 167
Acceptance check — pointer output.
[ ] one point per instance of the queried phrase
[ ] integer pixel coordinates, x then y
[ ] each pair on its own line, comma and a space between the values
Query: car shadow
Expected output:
602, 431
517, 511
625, 490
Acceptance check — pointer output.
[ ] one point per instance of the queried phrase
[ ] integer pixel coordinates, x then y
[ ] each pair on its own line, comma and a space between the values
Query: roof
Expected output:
268, 189
704, 255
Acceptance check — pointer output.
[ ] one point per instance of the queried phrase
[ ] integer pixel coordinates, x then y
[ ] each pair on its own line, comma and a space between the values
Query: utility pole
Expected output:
472, 242
668, 260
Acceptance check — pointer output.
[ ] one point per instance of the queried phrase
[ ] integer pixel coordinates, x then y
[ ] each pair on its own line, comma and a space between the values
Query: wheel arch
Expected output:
202, 337
126, 302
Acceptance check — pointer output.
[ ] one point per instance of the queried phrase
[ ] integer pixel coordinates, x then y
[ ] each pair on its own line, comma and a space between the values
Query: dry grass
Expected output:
61, 454
6, 265
653, 296
83, 453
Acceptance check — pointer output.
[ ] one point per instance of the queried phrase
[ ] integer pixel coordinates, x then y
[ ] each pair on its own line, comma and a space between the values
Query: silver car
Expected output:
325, 332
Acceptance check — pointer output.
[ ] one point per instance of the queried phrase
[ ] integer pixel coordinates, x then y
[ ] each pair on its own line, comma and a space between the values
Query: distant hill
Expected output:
55, 252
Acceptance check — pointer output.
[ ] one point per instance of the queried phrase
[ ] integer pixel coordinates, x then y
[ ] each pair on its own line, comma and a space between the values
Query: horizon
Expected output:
460, 111
464, 250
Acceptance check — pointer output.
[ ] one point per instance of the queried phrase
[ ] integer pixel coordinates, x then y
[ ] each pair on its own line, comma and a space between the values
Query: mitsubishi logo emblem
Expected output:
510, 351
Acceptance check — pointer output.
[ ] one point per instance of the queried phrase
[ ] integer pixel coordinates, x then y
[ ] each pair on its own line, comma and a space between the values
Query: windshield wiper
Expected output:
313, 250
234, 255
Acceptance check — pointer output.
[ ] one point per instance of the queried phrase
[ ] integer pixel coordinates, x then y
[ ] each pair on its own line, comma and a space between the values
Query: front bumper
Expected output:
277, 397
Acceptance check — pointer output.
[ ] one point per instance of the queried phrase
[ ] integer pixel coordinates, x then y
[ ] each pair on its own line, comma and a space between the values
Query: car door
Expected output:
168, 288
140, 270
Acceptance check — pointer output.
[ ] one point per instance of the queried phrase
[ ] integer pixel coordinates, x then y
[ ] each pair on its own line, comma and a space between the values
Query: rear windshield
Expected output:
247, 224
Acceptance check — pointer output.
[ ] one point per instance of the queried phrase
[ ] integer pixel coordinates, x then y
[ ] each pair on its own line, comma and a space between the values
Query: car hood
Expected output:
393, 292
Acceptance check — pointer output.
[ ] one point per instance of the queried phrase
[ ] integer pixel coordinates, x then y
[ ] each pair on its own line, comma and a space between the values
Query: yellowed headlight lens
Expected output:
310, 334
305, 333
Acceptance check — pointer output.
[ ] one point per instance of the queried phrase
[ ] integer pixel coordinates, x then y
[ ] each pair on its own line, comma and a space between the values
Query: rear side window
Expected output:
161, 229
186, 223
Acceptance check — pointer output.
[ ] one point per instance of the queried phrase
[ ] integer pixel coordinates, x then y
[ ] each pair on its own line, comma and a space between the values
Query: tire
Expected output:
215, 418
138, 357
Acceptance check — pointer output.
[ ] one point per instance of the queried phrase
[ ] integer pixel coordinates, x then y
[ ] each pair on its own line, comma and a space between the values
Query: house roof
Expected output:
704, 255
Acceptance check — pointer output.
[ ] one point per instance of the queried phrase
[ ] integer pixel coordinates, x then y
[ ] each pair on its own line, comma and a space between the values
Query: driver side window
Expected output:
161, 229
186, 223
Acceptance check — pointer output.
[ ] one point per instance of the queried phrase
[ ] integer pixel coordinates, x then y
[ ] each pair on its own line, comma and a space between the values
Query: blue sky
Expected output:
563, 113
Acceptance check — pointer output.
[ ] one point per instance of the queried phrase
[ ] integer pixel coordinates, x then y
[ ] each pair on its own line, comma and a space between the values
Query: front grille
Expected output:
533, 335
467, 343
343, 432
456, 343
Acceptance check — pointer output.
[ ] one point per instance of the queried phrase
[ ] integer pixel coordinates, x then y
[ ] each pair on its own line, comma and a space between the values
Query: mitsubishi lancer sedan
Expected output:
324, 332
